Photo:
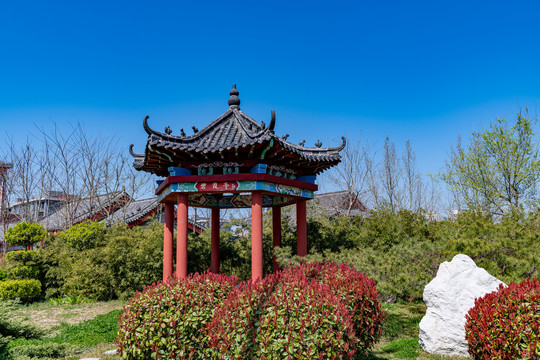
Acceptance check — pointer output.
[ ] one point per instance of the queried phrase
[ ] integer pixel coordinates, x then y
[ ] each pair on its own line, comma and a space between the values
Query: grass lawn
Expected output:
400, 334
88, 330
73, 330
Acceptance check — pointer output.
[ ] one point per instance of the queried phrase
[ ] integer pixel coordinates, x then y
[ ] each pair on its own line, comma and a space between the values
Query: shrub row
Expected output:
400, 250
505, 324
311, 311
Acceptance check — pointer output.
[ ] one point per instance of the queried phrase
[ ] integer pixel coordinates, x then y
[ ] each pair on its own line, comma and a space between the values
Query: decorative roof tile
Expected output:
133, 211
232, 136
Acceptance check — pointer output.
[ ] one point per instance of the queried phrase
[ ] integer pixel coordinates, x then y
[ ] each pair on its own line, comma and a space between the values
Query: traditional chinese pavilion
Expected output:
234, 162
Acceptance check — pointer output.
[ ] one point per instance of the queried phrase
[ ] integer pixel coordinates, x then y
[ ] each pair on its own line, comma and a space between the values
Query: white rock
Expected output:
110, 352
449, 297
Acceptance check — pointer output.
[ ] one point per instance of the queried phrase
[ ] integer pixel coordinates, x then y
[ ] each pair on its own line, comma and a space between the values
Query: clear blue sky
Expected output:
425, 71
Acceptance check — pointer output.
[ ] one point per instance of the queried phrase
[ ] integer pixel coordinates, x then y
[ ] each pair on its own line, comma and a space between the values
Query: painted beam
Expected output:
202, 194
235, 177
177, 171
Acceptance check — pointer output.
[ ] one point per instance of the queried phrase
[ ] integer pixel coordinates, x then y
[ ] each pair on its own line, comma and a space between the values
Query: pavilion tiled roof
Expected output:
233, 136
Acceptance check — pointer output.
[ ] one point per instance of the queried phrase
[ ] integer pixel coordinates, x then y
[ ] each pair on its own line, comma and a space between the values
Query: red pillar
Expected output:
214, 246
256, 236
168, 242
276, 233
181, 236
301, 228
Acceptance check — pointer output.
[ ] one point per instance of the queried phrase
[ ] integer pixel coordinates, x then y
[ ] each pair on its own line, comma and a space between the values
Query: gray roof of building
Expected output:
340, 202
82, 210
5, 165
133, 211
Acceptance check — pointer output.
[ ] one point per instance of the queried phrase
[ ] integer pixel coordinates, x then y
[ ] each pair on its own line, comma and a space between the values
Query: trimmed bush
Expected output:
359, 294
305, 320
308, 311
505, 323
24, 257
23, 264
25, 234
26, 290
232, 331
168, 321
21, 272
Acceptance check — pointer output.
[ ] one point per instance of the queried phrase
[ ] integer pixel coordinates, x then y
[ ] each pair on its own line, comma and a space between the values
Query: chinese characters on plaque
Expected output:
212, 186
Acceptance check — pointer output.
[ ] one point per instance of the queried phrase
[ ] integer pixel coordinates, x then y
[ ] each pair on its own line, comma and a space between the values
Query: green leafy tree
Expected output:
25, 234
86, 235
498, 170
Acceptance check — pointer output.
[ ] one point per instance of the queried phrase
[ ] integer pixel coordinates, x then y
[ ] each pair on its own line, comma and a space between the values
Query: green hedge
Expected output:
26, 290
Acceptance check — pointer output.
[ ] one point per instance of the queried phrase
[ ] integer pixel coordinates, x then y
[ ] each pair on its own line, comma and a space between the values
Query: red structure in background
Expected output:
234, 162
4, 167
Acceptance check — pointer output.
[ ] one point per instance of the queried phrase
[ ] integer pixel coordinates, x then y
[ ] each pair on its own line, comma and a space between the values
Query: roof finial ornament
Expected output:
302, 142
168, 130
195, 129
234, 100
285, 137
182, 133
318, 144
272, 121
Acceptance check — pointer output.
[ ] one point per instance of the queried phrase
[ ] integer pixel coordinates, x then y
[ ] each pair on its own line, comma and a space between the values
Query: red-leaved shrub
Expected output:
357, 291
168, 321
305, 320
232, 331
505, 324
310, 311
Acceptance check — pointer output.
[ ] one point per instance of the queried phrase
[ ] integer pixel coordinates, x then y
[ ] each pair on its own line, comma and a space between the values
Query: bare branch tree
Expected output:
390, 176
412, 179
353, 172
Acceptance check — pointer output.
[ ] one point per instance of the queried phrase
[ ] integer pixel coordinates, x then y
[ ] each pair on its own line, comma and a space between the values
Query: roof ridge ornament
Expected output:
234, 100
133, 153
